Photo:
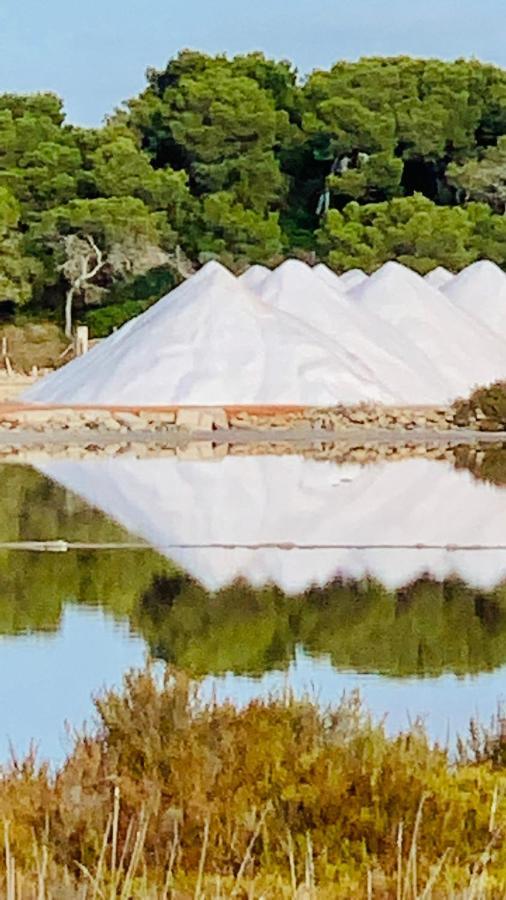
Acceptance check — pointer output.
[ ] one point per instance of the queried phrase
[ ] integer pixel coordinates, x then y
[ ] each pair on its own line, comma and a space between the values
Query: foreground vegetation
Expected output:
280, 799
239, 159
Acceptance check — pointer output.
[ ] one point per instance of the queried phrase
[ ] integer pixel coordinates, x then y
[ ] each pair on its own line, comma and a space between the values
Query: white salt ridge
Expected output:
438, 277
253, 277
398, 365
480, 290
462, 351
261, 500
211, 342
330, 278
352, 278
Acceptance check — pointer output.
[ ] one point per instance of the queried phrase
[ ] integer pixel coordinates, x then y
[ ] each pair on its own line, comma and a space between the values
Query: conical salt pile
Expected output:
480, 290
253, 277
438, 277
330, 278
211, 342
464, 353
295, 288
352, 278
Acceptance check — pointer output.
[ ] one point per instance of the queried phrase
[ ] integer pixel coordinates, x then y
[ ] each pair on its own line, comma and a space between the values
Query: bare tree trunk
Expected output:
86, 275
68, 311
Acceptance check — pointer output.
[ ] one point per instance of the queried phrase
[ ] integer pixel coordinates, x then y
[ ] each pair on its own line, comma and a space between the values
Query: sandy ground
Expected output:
11, 387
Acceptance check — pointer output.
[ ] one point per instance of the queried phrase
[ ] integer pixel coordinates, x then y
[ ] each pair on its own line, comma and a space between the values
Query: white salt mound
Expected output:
330, 278
295, 288
254, 276
438, 277
460, 349
352, 278
210, 341
480, 290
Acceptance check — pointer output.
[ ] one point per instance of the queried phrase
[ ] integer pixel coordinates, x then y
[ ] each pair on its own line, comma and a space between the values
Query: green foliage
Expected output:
35, 587
120, 169
14, 266
414, 231
423, 113
228, 158
219, 125
237, 235
106, 319
90, 244
426, 628
483, 179
130, 297
490, 401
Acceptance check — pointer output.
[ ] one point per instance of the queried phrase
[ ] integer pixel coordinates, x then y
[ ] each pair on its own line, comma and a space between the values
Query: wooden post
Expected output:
5, 356
81, 340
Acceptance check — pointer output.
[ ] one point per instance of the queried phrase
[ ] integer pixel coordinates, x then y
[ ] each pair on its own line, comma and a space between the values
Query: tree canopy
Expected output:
242, 160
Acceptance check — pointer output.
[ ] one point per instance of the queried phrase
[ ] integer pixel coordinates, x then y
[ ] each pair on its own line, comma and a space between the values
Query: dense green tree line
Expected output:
240, 159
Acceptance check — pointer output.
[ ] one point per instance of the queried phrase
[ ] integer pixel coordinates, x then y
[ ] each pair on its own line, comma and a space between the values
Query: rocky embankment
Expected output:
118, 420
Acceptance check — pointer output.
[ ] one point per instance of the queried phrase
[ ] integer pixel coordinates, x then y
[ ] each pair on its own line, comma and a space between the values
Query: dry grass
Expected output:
172, 798
34, 344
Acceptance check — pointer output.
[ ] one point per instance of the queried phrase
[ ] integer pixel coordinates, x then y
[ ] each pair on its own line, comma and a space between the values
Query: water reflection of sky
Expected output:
47, 680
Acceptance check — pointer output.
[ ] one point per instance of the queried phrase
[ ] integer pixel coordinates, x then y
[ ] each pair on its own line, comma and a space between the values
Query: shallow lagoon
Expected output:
252, 573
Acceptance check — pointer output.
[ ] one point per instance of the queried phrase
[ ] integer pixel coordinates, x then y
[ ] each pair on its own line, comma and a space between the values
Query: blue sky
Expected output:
94, 54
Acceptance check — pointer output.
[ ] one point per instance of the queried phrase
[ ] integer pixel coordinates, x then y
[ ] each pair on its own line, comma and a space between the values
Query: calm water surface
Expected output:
253, 573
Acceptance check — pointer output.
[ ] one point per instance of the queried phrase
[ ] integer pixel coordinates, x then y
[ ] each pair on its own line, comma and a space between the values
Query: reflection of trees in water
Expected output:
35, 586
485, 463
426, 628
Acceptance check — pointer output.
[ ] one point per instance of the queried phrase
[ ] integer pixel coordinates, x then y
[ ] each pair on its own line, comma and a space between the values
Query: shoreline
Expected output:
363, 433
358, 446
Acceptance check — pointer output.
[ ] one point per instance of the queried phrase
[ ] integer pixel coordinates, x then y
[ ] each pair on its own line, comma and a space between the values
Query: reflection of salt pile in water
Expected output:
480, 290
209, 342
299, 336
464, 352
400, 366
438, 277
271, 500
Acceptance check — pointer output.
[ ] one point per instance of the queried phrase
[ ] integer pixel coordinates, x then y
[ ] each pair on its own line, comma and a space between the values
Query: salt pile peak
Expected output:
329, 277
253, 276
295, 288
464, 353
438, 277
480, 290
211, 342
352, 278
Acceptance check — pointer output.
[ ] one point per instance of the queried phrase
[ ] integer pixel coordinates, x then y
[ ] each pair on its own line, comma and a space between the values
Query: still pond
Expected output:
253, 574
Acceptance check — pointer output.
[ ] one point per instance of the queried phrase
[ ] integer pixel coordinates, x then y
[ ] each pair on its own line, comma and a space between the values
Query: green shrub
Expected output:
103, 321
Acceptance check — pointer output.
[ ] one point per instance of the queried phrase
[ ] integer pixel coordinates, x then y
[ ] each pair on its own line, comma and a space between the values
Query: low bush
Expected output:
488, 404
106, 319
279, 799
